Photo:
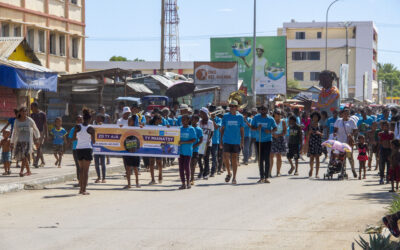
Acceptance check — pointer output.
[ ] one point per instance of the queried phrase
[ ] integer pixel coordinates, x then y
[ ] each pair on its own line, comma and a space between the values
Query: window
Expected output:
31, 38
75, 47
298, 56
313, 55
62, 45
41, 41
17, 30
299, 76
300, 35
314, 76
53, 43
74, 1
305, 55
319, 35
5, 30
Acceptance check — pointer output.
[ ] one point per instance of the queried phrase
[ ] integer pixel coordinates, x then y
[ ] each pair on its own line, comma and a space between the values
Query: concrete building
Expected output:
143, 68
54, 29
306, 53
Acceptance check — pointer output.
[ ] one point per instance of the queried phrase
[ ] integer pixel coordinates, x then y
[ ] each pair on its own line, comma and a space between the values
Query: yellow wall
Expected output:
311, 33
20, 55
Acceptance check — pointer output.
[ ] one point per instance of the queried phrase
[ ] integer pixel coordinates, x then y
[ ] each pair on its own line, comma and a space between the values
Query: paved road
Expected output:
290, 213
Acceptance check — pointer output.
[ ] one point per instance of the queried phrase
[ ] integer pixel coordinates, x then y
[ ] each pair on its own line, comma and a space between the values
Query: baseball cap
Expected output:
126, 110
234, 102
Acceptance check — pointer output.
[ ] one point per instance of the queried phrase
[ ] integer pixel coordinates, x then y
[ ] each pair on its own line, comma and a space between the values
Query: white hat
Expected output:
260, 46
205, 110
147, 114
126, 110
184, 106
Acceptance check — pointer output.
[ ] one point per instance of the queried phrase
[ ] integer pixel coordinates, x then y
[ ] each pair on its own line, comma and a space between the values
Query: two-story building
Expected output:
353, 43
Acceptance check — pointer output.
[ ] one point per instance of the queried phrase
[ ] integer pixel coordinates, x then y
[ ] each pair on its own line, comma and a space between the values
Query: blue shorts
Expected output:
5, 157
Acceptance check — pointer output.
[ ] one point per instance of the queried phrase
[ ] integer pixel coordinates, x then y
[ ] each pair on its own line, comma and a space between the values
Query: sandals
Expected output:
234, 182
21, 175
126, 187
152, 182
228, 178
182, 187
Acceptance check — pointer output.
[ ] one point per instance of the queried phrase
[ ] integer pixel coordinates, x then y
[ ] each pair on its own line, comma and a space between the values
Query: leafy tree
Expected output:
293, 84
138, 60
118, 59
390, 77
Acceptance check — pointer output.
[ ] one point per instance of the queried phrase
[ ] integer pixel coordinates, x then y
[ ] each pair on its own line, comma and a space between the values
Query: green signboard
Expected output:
270, 61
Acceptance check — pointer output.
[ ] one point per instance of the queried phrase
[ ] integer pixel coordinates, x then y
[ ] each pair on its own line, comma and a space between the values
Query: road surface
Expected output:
293, 212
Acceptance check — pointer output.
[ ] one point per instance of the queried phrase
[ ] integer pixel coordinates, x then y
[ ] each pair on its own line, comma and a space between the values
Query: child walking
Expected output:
5, 145
188, 138
195, 155
58, 133
394, 170
362, 155
295, 144
313, 142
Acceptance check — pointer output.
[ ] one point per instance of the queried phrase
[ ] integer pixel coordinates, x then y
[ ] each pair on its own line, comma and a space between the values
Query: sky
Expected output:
131, 28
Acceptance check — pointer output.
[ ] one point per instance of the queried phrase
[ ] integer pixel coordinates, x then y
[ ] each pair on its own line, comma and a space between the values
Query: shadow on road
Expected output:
377, 197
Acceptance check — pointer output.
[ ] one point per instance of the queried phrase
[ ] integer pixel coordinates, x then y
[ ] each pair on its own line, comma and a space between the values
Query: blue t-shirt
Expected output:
330, 123
179, 121
187, 134
364, 125
11, 121
373, 117
298, 121
232, 125
382, 118
172, 121
217, 133
267, 123
199, 134
58, 136
70, 136
247, 129
164, 121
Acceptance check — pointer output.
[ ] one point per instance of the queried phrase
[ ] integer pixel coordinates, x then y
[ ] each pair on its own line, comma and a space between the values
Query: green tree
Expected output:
138, 60
293, 84
118, 59
390, 77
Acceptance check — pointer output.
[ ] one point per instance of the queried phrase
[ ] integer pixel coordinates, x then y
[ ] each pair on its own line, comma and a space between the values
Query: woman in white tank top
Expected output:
85, 136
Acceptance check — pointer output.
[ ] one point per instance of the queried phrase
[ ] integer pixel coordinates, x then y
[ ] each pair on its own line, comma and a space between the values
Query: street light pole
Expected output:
326, 35
253, 82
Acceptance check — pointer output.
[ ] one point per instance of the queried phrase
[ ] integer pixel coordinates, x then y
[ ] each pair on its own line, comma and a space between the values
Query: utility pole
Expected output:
253, 82
162, 59
346, 25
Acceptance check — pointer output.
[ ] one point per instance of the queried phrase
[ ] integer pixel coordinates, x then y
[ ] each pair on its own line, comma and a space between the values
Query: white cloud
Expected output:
225, 10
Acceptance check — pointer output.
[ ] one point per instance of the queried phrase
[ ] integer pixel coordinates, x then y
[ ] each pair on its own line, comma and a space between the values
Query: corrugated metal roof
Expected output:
139, 88
24, 65
130, 65
8, 45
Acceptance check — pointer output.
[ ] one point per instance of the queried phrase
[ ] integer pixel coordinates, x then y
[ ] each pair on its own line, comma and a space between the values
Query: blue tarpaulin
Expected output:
27, 79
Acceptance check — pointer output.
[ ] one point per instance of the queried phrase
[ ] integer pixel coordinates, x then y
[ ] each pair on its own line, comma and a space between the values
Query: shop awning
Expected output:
24, 75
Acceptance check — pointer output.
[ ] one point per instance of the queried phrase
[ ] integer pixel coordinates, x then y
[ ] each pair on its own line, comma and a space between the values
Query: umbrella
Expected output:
179, 89
337, 145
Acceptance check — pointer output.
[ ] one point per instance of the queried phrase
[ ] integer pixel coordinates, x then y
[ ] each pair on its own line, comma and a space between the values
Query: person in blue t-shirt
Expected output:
370, 114
10, 122
365, 123
188, 138
216, 152
199, 139
330, 123
247, 137
232, 138
265, 125
78, 121
171, 118
57, 134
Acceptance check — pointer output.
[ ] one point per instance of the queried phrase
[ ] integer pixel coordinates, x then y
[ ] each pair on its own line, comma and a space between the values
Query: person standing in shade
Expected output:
40, 119
208, 130
85, 136
232, 138
265, 125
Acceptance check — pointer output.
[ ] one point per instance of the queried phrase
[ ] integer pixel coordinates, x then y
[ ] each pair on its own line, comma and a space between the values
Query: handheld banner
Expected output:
150, 141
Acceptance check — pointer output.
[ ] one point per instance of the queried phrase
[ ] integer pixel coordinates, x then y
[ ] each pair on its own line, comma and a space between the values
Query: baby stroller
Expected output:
338, 159
336, 166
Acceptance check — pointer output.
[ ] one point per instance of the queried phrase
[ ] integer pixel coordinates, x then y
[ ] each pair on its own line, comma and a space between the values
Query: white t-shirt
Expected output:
122, 121
355, 118
207, 129
344, 128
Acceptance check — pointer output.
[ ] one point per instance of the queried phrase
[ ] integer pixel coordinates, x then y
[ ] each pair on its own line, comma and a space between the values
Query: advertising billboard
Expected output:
270, 77
215, 73
344, 81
